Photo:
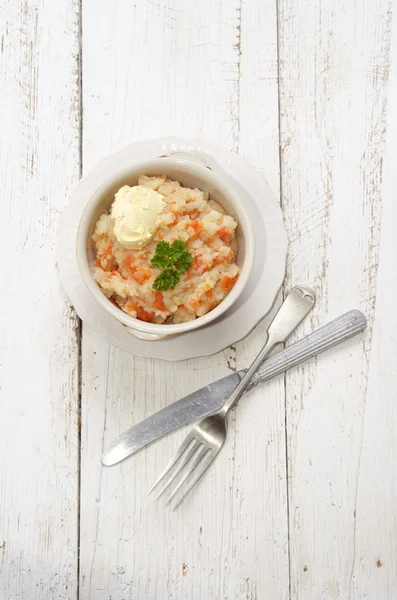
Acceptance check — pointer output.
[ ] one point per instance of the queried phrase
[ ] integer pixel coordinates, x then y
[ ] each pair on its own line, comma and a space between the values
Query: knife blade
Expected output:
210, 398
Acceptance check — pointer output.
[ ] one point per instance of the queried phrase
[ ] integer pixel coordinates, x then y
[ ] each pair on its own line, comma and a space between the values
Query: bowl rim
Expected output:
243, 220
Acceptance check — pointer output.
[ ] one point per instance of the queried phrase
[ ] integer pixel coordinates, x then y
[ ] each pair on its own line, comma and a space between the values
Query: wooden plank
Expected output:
260, 454
175, 69
338, 134
39, 165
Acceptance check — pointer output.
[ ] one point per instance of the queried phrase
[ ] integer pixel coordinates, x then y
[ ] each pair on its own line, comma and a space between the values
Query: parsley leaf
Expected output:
175, 259
161, 256
184, 263
167, 280
167, 255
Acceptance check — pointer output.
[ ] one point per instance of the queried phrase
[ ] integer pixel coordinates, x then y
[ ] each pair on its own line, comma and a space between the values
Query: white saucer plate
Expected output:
259, 293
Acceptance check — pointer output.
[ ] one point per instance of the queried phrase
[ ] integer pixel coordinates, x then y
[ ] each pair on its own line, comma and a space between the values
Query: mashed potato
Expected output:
126, 276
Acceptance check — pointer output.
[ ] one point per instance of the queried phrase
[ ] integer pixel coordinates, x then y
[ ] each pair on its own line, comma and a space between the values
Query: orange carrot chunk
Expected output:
219, 260
129, 264
159, 302
225, 234
207, 296
131, 306
193, 229
106, 260
141, 274
143, 315
227, 283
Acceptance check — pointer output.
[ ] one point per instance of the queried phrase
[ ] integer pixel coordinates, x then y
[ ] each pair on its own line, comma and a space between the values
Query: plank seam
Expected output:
80, 326
239, 52
283, 294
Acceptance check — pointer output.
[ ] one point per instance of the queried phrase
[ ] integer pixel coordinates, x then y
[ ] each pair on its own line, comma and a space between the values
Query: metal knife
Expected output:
210, 398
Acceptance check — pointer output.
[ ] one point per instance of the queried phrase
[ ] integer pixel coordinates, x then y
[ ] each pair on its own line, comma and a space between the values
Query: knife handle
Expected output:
335, 332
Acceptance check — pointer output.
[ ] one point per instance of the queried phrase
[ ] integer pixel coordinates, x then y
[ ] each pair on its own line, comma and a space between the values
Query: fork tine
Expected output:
203, 451
182, 448
202, 466
188, 471
191, 451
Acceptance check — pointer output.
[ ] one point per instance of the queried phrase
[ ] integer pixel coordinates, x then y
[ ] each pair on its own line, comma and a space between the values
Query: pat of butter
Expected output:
136, 213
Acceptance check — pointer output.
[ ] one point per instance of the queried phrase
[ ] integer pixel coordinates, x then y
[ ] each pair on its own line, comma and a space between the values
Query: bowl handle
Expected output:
145, 337
187, 155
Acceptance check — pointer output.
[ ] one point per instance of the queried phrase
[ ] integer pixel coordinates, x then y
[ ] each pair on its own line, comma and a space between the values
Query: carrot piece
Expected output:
131, 306
193, 268
208, 239
143, 315
207, 296
225, 234
106, 260
159, 302
111, 274
207, 300
204, 266
141, 274
111, 264
195, 264
193, 229
192, 305
220, 259
227, 283
129, 263
199, 265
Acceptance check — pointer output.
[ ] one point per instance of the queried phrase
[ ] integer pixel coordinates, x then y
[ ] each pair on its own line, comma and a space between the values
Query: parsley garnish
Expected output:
175, 259
167, 280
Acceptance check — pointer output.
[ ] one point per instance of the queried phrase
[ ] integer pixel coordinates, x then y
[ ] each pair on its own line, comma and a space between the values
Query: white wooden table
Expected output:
302, 503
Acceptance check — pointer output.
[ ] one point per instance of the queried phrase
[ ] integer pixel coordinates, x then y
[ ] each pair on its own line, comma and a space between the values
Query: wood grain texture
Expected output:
39, 165
216, 70
230, 538
337, 142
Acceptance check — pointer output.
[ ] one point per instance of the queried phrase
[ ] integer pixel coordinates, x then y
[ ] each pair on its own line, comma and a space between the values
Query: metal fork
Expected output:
206, 439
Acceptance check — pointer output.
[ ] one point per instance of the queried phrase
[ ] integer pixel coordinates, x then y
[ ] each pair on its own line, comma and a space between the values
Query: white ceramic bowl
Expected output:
190, 172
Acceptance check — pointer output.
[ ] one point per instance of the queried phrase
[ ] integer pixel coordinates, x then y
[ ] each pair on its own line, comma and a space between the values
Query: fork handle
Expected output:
295, 307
